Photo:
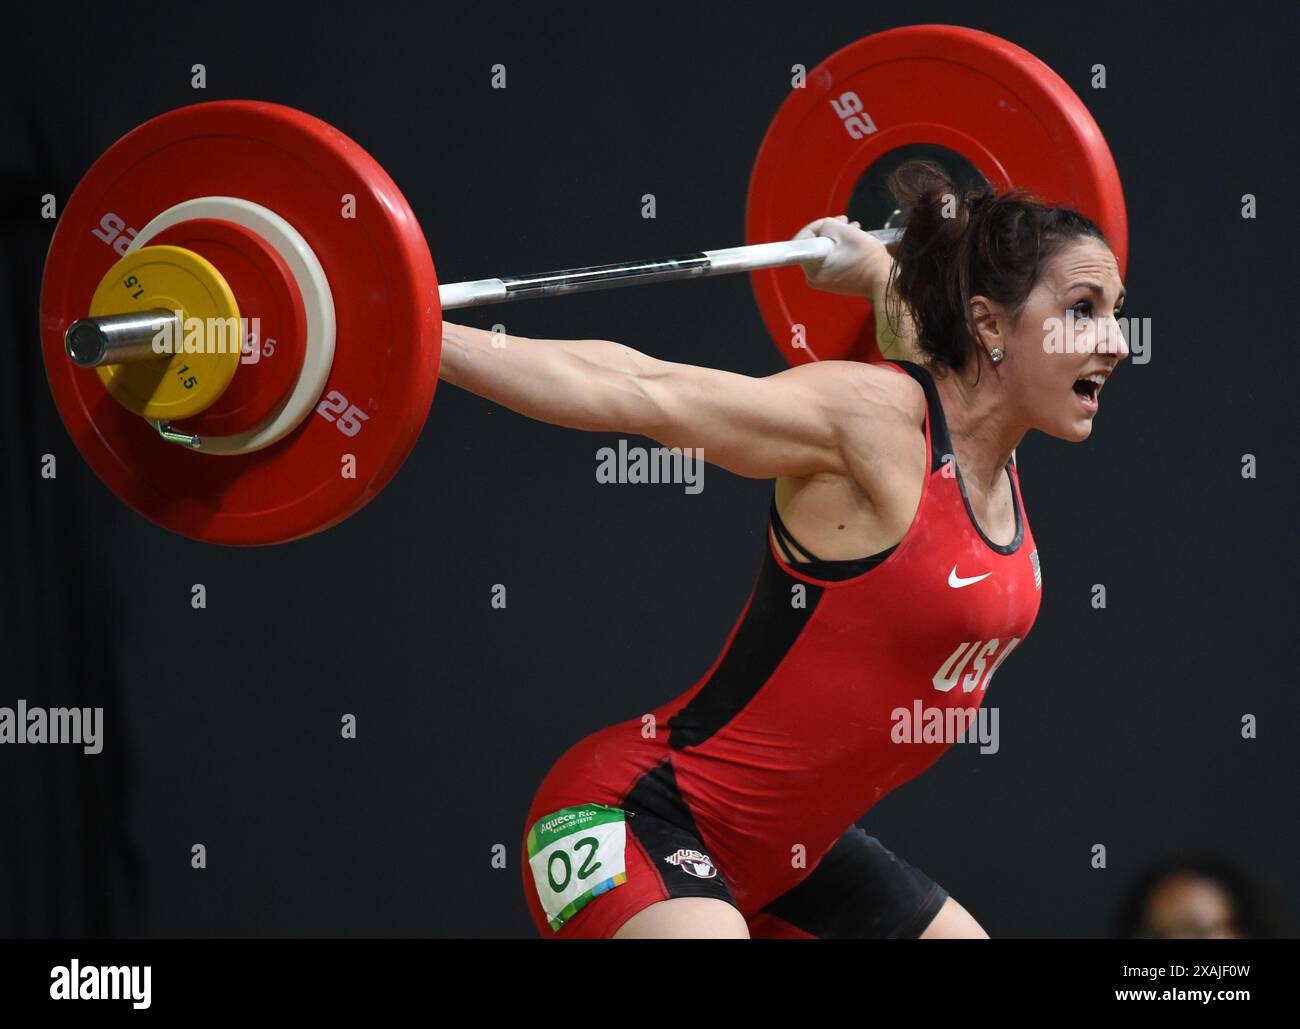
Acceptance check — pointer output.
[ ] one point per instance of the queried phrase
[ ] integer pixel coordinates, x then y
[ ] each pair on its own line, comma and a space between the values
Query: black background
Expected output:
1119, 727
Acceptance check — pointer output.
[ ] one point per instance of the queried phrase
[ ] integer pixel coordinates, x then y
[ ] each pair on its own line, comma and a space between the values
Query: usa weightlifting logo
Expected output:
694, 863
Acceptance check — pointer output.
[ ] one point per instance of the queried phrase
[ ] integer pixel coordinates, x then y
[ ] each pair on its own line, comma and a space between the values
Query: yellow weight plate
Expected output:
206, 355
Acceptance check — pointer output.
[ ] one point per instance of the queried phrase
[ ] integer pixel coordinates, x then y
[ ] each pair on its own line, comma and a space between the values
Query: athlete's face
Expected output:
1066, 340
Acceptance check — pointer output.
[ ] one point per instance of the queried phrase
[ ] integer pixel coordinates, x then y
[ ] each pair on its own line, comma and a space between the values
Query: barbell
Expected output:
241, 321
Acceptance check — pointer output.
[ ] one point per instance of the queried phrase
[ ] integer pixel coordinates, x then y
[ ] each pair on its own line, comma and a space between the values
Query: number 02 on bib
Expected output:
576, 854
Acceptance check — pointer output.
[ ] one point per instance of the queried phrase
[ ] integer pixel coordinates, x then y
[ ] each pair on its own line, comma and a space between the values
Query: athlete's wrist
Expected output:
876, 268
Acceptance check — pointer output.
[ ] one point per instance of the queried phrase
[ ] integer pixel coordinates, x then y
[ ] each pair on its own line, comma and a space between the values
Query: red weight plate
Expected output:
270, 304
993, 103
385, 298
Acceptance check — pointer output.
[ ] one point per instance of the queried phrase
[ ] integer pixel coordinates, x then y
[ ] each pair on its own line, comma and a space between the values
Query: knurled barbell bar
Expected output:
120, 338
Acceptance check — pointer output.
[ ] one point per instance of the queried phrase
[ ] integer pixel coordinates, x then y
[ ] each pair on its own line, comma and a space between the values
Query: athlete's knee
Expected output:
954, 922
685, 918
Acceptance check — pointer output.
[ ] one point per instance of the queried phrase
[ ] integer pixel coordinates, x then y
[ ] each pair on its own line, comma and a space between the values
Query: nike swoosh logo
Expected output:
957, 582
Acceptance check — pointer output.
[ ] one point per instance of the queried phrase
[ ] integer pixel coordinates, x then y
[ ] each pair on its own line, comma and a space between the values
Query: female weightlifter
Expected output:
730, 810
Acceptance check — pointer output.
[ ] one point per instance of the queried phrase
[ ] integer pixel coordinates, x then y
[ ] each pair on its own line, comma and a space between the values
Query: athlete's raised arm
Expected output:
861, 266
790, 423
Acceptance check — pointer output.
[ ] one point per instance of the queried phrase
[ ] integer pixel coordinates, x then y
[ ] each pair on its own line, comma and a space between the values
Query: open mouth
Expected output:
1087, 389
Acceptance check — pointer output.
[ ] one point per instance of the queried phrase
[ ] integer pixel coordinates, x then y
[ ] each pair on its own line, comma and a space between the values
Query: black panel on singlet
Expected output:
771, 624
656, 793
660, 819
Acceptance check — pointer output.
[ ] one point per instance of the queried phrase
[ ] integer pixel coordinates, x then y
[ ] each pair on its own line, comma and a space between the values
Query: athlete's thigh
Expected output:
590, 869
686, 918
858, 890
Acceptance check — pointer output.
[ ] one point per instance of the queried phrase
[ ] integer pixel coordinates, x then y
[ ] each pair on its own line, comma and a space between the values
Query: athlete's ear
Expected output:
987, 317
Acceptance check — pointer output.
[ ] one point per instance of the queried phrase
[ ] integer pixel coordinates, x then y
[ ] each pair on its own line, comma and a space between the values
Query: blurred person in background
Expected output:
1199, 898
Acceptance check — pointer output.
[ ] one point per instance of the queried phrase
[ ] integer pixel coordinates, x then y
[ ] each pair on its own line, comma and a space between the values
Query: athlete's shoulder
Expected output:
896, 383
878, 385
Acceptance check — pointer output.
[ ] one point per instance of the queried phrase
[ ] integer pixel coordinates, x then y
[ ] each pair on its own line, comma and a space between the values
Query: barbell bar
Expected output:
753, 257
119, 338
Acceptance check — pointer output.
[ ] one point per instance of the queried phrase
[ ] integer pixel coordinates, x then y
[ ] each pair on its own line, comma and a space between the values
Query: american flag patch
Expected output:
1038, 570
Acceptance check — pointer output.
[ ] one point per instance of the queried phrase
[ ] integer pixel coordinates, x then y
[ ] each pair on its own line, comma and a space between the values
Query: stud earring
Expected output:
996, 355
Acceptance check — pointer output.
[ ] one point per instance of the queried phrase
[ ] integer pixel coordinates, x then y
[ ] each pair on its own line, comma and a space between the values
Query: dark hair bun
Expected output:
964, 243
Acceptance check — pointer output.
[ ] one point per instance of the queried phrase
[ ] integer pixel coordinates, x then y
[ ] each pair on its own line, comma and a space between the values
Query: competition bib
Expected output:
576, 854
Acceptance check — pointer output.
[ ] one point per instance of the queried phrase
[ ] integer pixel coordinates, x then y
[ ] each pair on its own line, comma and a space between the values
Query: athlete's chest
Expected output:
963, 575
947, 592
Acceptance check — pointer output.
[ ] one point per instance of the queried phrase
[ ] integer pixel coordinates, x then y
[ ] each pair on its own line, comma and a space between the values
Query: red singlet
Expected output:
815, 708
